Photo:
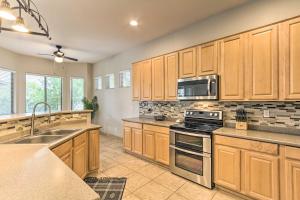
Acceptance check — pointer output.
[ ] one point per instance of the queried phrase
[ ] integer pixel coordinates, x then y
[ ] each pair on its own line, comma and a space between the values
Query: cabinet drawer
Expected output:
158, 129
133, 125
292, 152
63, 149
251, 145
78, 140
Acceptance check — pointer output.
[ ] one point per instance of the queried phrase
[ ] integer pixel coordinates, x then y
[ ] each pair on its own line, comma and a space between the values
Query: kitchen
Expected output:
206, 106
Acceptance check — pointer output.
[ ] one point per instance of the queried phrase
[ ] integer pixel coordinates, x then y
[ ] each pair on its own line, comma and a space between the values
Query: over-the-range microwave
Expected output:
198, 88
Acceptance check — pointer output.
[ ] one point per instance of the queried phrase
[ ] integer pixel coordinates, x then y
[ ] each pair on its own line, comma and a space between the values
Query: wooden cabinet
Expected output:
94, 150
232, 68
127, 138
136, 81
65, 153
207, 59
227, 162
137, 141
162, 148
171, 76
290, 59
149, 144
158, 79
146, 79
262, 63
80, 155
188, 65
261, 176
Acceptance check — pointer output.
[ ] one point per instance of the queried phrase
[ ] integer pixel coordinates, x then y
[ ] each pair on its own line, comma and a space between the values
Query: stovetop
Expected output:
201, 127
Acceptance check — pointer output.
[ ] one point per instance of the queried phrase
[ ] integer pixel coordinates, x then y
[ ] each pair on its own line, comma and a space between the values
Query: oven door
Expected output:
191, 165
203, 87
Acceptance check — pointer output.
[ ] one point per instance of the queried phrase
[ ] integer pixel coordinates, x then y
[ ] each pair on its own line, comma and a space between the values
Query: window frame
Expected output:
120, 82
45, 89
107, 82
97, 78
71, 90
13, 88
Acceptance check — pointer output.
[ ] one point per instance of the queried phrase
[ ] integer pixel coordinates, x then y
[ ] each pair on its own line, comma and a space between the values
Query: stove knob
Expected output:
216, 114
211, 114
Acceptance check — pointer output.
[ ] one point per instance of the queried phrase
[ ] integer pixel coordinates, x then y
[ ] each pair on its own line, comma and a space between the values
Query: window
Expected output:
98, 83
43, 89
110, 81
125, 78
6, 92
77, 93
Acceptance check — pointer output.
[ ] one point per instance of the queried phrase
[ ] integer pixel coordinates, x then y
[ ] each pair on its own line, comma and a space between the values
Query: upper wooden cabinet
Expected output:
158, 77
207, 59
262, 63
136, 81
232, 67
290, 62
171, 76
146, 79
188, 64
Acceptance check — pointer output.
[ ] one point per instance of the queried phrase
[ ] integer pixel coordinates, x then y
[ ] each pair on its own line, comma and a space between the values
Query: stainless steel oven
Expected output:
198, 88
190, 156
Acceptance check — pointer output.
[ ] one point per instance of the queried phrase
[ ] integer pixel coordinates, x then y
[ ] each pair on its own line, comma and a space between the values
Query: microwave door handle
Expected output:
209, 87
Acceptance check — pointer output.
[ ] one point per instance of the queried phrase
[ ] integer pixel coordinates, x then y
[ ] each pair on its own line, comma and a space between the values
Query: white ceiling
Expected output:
94, 29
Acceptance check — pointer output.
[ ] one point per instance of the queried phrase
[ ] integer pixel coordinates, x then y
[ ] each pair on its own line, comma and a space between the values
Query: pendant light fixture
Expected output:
6, 11
59, 59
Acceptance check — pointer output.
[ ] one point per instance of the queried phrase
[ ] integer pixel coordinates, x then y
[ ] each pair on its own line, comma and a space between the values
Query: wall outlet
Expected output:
266, 113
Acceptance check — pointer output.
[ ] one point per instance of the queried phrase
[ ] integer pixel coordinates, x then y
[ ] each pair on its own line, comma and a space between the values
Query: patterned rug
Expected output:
107, 188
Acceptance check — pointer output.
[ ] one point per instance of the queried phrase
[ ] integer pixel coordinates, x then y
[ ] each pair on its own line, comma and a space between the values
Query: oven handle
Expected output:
190, 152
191, 134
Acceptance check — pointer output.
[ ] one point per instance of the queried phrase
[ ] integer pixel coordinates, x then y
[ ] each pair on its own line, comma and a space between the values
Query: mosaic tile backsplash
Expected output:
282, 114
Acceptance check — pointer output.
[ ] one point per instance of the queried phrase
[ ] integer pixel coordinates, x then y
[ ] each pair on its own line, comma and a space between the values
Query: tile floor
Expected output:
147, 181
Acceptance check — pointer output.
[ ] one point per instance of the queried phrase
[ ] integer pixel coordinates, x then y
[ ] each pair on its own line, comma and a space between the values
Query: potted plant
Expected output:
91, 105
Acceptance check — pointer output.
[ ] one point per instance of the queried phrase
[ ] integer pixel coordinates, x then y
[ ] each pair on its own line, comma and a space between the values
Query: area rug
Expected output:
107, 188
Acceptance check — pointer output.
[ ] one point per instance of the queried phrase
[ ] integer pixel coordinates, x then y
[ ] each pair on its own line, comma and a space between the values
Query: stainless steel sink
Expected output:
61, 132
40, 139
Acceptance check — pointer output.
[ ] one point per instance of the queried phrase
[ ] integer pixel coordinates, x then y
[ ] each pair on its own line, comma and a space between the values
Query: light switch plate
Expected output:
266, 113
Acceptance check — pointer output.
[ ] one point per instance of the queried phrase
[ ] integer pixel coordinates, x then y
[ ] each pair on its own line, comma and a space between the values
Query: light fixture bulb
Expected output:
20, 25
133, 23
5, 11
59, 59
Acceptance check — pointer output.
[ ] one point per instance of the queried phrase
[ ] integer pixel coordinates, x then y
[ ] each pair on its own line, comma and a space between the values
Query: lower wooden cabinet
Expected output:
137, 141
149, 144
94, 149
227, 162
65, 153
80, 156
162, 148
127, 138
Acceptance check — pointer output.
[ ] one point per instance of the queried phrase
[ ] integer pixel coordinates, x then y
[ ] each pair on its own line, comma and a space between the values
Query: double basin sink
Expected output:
46, 136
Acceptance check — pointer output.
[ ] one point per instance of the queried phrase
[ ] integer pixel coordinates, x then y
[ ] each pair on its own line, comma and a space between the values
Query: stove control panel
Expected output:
203, 114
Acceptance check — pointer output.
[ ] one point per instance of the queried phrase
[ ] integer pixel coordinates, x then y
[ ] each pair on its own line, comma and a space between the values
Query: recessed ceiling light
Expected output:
133, 23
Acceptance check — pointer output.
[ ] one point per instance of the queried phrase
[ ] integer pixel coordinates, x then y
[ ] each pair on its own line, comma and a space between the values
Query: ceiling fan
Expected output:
59, 56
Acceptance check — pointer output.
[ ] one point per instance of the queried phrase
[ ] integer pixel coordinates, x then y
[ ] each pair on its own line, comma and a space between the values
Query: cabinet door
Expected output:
171, 76
262, 61
65, 153
162, 148
158, 79
232, 68
261, 176
80, 153
136, 81
146, 80
148, 144
228, 167
94, 150
127, 137
187, 59
137, 141
290, 47
292, 175
207, 59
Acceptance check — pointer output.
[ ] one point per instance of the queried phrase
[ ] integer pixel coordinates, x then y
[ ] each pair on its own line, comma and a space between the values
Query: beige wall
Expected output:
22, 64
117, 104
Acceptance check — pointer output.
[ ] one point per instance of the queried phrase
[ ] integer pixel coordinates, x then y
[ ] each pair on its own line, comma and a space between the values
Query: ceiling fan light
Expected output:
59, 59
20, 25
5, 11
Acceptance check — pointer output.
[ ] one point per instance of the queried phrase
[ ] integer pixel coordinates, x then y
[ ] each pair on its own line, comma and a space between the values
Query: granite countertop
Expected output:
36, 173
277, 138
149, 121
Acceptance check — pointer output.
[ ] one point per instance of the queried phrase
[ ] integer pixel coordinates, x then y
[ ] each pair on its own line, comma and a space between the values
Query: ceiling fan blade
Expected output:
45, 54
69, 58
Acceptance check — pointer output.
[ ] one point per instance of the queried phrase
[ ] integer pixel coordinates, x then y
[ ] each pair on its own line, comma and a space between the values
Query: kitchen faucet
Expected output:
33, 116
